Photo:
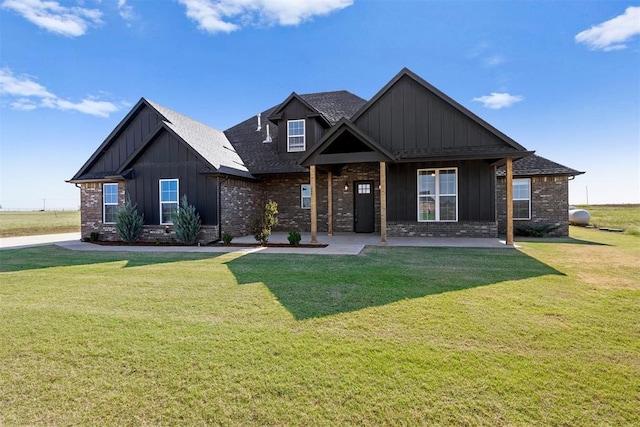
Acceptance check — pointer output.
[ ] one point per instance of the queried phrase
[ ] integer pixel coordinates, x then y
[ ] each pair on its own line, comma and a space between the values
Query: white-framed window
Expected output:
305, 196
364, 188
109, 203
438, 194
522, 198
295, 135
168, 200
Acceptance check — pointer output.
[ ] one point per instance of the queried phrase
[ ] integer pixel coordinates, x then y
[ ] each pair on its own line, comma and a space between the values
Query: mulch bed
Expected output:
238, 245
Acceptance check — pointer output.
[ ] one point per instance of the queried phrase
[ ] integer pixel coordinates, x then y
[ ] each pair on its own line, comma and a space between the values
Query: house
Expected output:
409, 161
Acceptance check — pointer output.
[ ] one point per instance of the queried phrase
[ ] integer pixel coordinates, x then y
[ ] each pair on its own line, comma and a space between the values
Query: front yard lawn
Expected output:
545, 335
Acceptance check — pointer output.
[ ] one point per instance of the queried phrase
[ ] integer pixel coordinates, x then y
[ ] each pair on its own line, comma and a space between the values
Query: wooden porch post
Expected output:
383, 202
329, 204
509, 171
314, 206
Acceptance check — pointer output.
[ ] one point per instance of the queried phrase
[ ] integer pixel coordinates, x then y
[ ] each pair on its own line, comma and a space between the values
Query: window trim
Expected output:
104, 202
519, 199
302, 196
177, 202
437, 194
304, 136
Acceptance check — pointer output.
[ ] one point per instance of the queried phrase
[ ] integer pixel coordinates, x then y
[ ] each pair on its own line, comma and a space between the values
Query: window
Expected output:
305, 196
168, 200
295, 135
109, 203
522, 198
364, 188
437, 195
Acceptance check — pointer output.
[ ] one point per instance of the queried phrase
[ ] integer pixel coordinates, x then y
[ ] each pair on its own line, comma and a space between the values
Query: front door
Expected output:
363, 206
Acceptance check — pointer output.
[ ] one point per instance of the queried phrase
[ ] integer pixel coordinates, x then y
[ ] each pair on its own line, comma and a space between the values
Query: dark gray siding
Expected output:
130, 139
476, 190
296, 110
410, 117
169, 158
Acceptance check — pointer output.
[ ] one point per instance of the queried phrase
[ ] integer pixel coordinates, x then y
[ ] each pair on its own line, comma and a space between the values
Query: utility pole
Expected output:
587, 190
44, 205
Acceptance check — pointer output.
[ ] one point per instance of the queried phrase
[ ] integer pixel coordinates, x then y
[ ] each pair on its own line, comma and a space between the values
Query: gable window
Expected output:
168, 200
305, 196
109, 203
295, 135
437, 194
522, 198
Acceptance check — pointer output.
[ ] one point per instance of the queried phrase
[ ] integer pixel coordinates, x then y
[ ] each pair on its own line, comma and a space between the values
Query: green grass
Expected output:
14, 224
546, 335
626, 217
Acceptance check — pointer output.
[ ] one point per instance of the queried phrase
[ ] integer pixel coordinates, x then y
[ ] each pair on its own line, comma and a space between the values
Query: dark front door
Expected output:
363, 207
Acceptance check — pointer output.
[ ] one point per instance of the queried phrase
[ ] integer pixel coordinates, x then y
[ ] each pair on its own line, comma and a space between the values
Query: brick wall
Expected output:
343, 200
549, 204
443, 229
239, 205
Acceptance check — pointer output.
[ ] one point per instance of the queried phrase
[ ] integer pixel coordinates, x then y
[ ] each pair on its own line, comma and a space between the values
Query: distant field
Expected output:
626, 217
14, 224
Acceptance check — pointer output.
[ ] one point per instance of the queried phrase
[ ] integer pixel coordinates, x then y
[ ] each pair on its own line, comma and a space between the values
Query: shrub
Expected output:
294, 238
267, 218
129, 222
535, 230
186, 222
94, 236
227, 238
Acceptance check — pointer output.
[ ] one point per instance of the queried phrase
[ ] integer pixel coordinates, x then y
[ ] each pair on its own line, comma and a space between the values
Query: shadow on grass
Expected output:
317, 286
569, 240
53, 256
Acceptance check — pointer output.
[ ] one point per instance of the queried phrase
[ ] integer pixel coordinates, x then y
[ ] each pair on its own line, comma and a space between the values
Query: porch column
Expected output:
383, 202
509, 171
314, 206
329, 204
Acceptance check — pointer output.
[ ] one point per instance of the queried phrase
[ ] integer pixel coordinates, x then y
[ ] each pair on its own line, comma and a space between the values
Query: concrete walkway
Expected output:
339, 244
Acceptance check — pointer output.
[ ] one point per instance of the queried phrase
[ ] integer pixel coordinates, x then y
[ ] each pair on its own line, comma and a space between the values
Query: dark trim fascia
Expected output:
276, 116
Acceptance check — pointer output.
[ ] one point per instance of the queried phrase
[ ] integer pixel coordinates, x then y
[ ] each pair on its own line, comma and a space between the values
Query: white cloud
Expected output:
611, 35
496, 101
31, 95
125, 10
50, 15
494, 60
217, 16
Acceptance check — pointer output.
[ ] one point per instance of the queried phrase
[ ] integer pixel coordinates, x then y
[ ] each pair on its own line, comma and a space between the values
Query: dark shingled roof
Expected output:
262, 158
537, 165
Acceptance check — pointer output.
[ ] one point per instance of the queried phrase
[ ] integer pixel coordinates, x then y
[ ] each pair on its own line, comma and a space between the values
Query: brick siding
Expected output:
549, 204
239, 205
443, 229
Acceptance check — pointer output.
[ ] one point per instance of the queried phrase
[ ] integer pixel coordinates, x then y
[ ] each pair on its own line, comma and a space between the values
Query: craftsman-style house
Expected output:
409, 161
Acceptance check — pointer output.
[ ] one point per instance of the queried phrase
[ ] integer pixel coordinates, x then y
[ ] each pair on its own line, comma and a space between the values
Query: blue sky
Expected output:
560, 77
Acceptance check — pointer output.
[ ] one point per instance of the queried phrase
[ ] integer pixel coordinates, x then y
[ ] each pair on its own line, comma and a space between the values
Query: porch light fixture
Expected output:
346, 187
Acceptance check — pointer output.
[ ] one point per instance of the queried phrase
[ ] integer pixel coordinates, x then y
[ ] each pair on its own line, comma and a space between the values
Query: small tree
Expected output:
186, 222
267, 218
129, 222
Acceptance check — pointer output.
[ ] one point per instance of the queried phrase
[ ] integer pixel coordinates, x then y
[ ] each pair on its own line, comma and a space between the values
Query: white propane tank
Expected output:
578, 216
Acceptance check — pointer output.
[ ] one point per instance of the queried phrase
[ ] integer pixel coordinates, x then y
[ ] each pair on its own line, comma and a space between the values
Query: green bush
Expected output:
535, 230
129, 222
267, 218
94, 236
186, 223
294, 238
227, 238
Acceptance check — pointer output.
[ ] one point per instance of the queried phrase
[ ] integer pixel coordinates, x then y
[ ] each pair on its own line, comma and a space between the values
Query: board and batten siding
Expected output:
169, 158
296, 110
411, 117
476, 190
130, 139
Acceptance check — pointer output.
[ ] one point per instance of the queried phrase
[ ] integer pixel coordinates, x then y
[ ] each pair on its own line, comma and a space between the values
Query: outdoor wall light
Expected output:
346, 187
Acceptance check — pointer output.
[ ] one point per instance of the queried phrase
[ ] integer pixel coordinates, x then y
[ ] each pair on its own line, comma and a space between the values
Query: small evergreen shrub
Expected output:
186, 223
535, 230
267, 218
294, 238
129, 222
94, 236
227, 238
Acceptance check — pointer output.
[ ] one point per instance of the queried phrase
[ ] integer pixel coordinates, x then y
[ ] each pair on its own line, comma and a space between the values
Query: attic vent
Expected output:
268, 139
259, 128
